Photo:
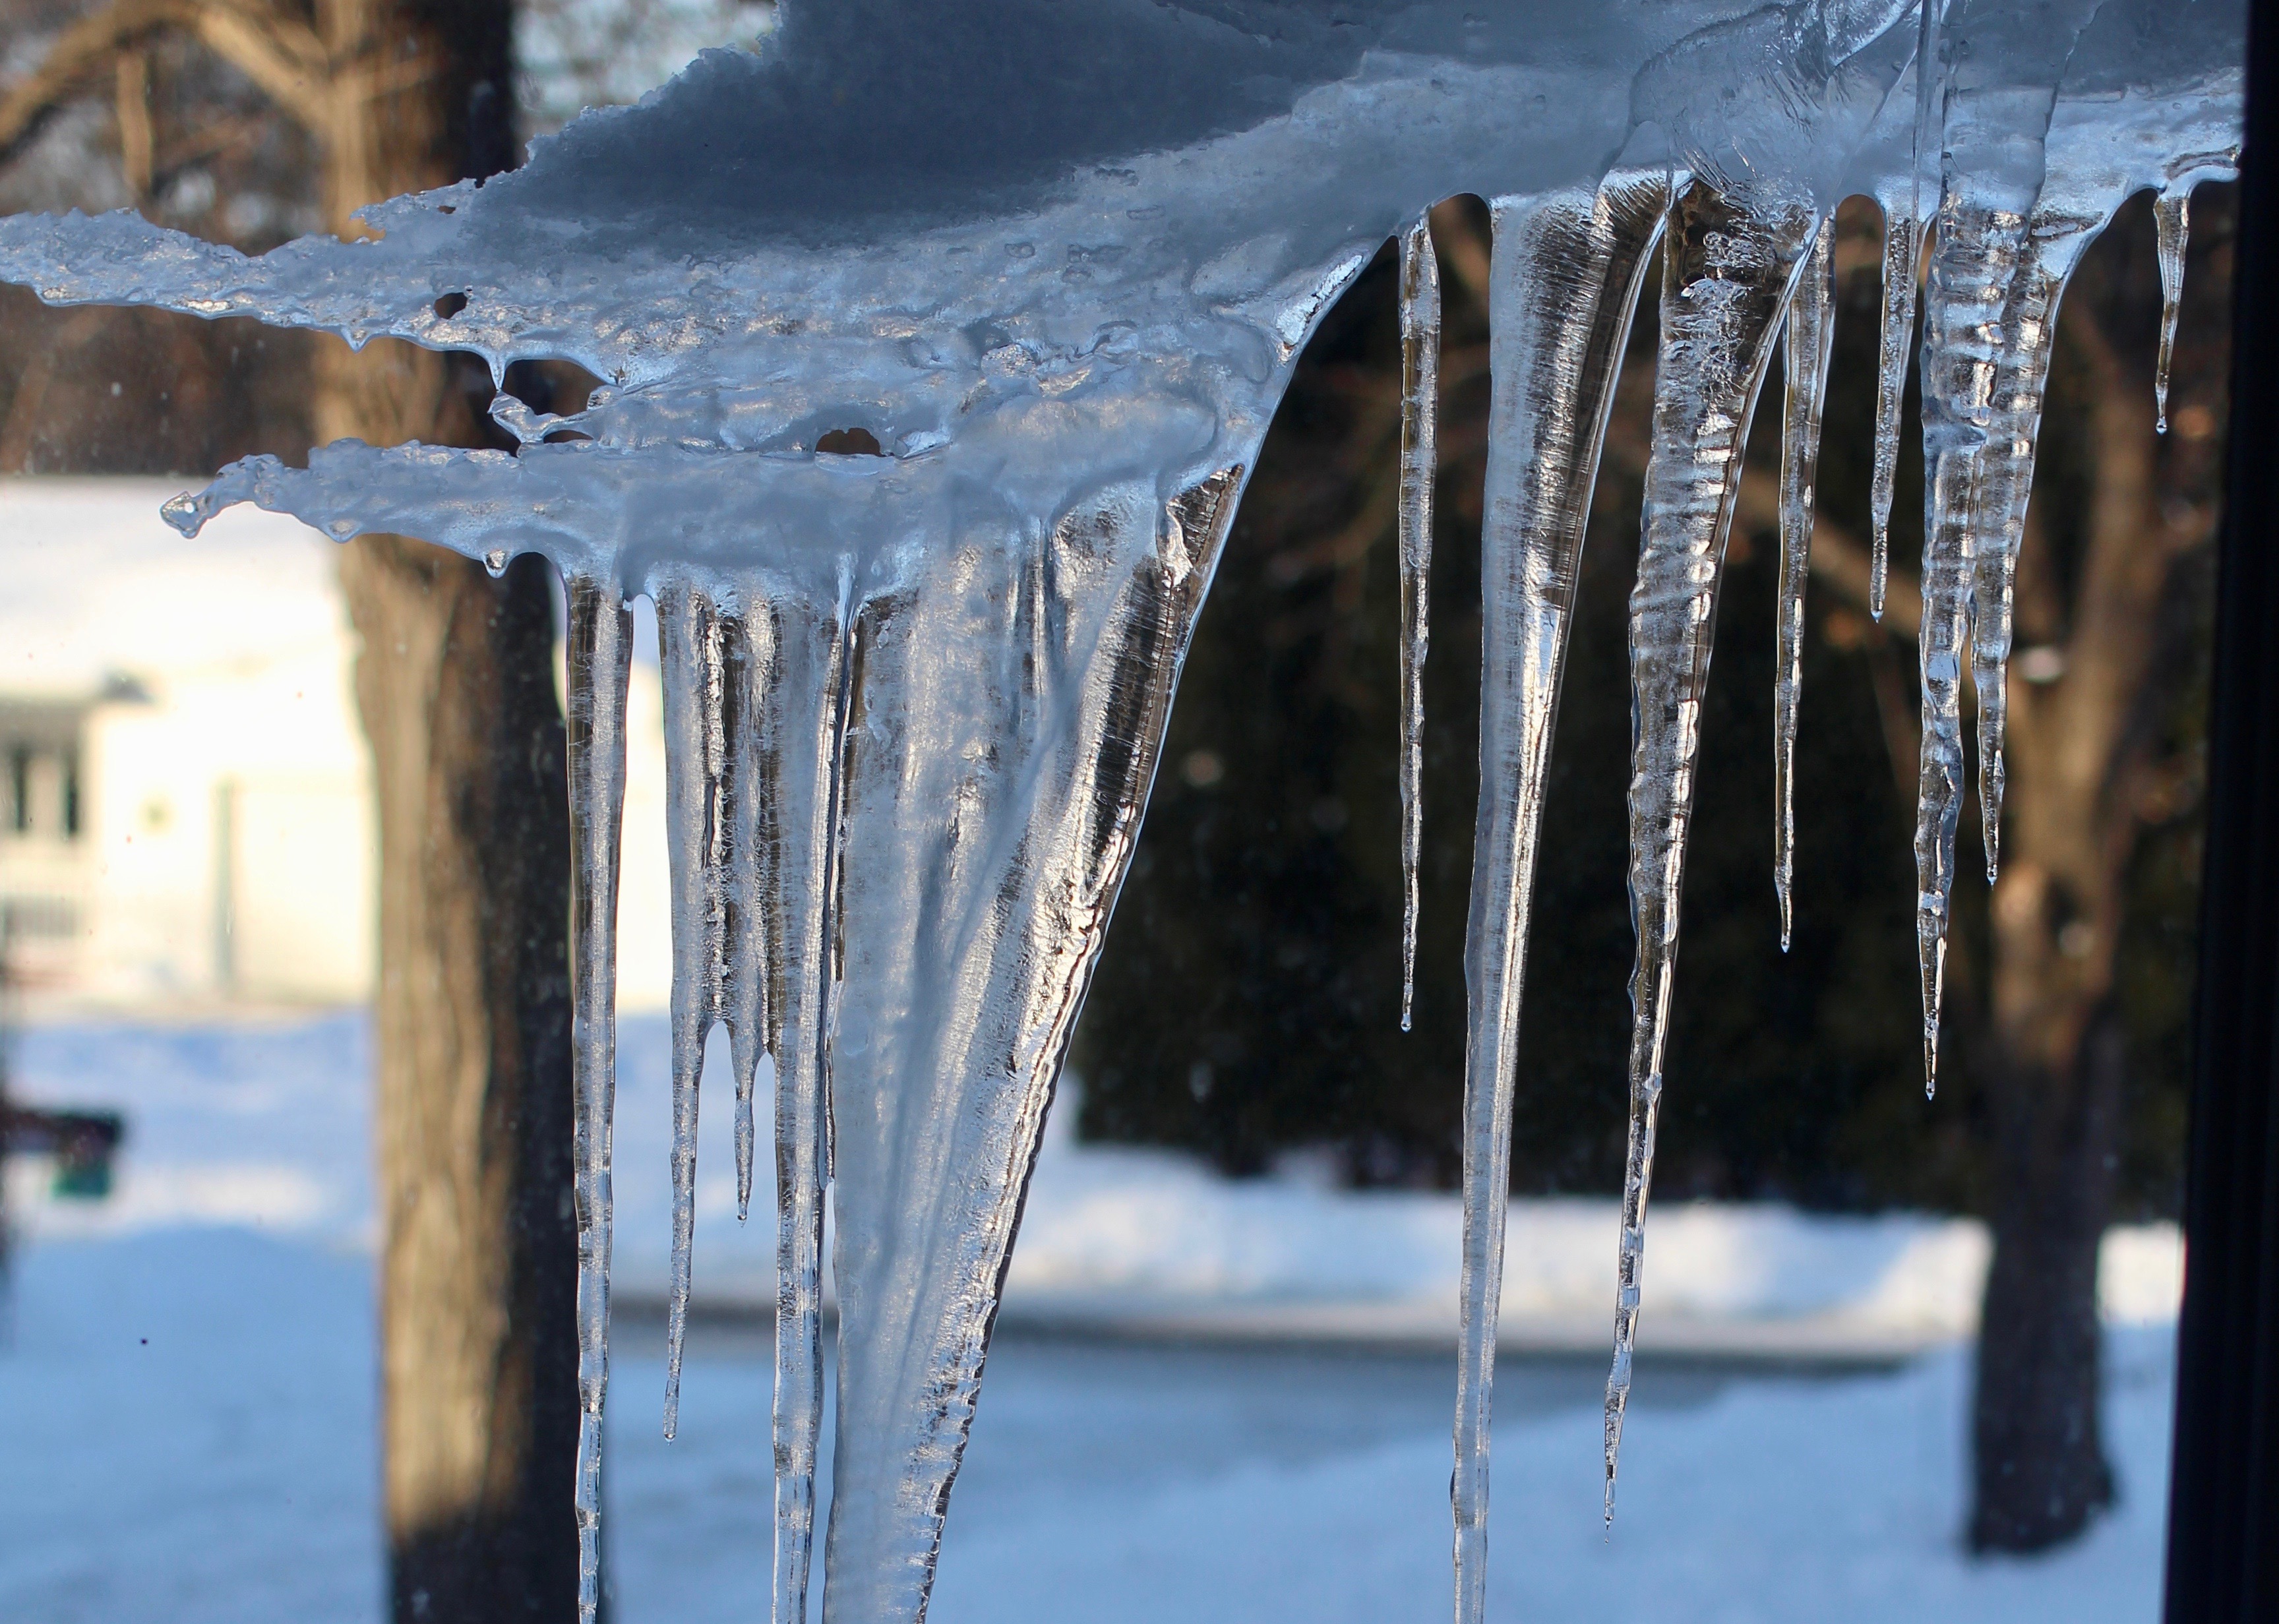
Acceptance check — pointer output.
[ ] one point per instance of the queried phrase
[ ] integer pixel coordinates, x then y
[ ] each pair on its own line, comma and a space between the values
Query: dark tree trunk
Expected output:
478, 1275
2039, 1453
455, 685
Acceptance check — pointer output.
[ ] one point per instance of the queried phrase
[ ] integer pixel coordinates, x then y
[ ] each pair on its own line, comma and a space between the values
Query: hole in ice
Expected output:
449, 305
561, 388
849, 442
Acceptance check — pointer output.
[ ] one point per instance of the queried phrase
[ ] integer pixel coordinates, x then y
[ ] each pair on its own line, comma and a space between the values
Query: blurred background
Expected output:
1222, 1384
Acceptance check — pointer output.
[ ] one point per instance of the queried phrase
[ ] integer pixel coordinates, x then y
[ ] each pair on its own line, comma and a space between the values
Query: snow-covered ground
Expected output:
263, 1125
186, 1409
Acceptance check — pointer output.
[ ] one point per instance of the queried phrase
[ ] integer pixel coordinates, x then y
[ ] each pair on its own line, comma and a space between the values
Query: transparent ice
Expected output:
1057, 261
1420, 417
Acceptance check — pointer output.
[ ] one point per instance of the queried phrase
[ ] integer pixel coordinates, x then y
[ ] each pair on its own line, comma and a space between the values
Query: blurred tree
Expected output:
456, 690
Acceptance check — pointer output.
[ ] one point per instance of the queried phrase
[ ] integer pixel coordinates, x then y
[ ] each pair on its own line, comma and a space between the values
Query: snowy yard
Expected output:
186, 1409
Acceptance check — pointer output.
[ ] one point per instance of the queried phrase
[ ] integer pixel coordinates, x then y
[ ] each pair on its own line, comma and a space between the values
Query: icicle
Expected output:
789, 677
1808, 339
2172, 217
1970, 274
1420, 414
1566, 272
600, 664
699, 818
1726, 275
1006, 704
1904, 213
1902, 251
1997, 268
1997, 280
2052, 247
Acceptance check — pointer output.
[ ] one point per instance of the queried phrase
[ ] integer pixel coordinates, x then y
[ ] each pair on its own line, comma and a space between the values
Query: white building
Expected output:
185, 804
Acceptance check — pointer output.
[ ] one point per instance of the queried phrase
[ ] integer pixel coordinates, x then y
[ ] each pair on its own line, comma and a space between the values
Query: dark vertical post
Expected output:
2224, 1506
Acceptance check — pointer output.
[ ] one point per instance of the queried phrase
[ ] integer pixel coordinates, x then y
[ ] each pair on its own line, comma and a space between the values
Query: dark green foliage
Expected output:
1248, 999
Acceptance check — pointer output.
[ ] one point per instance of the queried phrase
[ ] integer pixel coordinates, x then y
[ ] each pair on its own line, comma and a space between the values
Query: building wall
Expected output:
224, 846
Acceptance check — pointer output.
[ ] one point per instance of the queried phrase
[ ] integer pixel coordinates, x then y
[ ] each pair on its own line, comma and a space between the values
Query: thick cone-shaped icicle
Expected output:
2172, 219
2053, 246
600, 664
1809, 338
1566, 272
1420, 417
1025, 681
1996, 280
1971, 271
1727, 267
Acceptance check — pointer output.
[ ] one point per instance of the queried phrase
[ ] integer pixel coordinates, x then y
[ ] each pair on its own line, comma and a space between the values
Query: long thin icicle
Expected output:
600, 665
699, 818
2172, 219
1902, 252
1727, 266
797, 675
1566, 278
1904, 214
1808, 338
1420, 417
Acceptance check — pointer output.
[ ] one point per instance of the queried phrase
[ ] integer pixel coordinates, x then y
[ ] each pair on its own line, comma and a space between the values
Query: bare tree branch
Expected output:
135, 139
281, 56
1839, 559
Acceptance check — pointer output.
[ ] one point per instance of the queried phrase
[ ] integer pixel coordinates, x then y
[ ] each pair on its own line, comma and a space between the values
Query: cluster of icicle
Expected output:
914, 701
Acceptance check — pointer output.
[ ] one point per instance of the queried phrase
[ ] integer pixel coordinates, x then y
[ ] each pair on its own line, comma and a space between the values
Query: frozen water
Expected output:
917, 697
1420, 417
2036, 162
599, 666
2173, 218
1808, 340
1567, 270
